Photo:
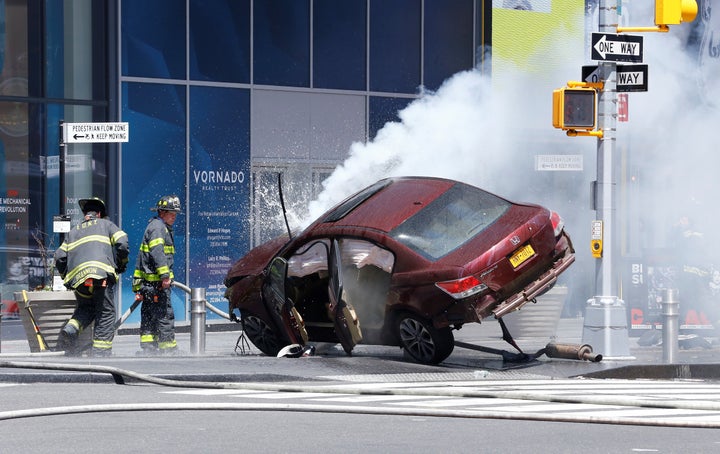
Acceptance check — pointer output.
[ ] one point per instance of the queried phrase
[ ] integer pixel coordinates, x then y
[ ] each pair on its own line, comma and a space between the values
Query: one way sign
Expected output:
609, 47
629, 77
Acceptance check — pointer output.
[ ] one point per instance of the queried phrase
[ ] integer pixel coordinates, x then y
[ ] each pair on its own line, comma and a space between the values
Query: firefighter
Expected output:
90, 259
153, 277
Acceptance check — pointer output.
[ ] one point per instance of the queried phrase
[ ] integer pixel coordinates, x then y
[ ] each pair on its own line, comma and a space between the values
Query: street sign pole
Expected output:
605, 189
605, 312
61, 170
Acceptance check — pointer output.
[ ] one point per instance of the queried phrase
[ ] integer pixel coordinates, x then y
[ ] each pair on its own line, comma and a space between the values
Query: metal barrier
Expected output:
198, 307
670, 311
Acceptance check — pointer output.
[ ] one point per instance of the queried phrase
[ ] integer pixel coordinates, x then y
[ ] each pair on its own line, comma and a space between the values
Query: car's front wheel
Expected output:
260, 334
423, 342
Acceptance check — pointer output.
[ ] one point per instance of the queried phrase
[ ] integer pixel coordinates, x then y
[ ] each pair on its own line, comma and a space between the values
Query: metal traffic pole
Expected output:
605, 184
605, 319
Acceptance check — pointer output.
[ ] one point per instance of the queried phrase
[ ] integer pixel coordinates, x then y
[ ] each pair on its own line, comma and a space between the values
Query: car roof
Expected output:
387, 203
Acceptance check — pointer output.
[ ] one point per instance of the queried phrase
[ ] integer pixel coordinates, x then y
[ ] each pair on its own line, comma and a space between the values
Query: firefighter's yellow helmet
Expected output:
168, 203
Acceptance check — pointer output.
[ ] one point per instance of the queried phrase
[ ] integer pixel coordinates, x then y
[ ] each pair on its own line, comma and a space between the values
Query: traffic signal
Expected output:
574, 108
671, 12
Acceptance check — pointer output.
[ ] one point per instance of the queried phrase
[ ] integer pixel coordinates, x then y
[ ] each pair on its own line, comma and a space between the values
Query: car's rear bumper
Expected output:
537, 287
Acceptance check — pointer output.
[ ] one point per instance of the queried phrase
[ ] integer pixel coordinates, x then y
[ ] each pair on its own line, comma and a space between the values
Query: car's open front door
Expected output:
347, 325
280, 306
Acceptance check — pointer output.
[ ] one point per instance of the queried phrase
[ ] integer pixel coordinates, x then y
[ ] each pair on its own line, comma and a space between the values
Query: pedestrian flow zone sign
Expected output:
611, 47
95, 132
629, 77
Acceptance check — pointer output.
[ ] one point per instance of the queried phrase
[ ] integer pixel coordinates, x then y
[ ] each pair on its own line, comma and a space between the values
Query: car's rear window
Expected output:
450, 221
353, 202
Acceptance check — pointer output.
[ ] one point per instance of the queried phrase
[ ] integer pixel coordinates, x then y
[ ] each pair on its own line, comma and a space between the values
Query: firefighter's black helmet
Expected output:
168, 203
95, 204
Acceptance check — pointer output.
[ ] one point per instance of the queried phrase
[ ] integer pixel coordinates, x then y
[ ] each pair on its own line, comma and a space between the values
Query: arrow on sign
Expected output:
610, 47
96, 132
605, 46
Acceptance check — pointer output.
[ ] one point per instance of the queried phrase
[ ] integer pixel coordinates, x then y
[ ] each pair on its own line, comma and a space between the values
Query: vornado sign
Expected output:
218, 176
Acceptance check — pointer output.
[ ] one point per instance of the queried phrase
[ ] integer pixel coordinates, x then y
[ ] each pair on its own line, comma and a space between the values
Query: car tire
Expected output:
260, 334
421, 341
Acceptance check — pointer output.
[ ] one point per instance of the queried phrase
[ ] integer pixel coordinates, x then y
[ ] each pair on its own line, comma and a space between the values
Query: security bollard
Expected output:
198, 306
197, 321
670, 311
197, 317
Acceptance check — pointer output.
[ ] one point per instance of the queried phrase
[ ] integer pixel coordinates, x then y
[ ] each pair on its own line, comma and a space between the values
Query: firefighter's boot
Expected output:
67, 340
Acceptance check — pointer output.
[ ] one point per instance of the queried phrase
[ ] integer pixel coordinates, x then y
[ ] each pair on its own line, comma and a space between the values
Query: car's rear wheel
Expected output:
423, 342
261, 334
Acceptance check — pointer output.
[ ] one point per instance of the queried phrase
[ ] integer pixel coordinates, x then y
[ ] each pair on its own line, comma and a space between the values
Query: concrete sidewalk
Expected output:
220, 339
225, 356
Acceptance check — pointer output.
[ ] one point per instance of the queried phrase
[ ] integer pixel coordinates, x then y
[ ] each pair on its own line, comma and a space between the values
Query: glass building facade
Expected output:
56, 64
227, 99
224, 100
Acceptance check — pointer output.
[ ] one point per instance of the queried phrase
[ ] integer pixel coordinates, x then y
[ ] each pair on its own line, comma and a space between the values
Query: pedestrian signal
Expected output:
672, 12
574, 108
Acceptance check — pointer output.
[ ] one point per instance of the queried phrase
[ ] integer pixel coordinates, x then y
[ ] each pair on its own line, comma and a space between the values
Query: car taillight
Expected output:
557, 223
462, 288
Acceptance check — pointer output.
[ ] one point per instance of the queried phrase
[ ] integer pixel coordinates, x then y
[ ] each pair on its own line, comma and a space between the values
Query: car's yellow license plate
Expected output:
521, 255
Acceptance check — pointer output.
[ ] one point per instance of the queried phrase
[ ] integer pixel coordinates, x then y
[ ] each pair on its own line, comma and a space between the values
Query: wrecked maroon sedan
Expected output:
402, 262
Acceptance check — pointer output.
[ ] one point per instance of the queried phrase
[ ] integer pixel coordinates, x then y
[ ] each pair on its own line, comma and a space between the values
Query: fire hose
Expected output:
120, 375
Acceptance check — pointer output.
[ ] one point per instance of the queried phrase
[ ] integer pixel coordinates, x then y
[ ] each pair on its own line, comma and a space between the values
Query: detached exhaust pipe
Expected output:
572, 351
552, 350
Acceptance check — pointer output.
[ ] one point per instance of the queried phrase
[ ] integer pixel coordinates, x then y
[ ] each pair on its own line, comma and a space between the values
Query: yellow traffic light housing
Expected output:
668, 12
673, 12
574, 108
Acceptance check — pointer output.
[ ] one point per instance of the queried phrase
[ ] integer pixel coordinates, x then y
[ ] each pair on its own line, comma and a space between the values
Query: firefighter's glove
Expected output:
136, 284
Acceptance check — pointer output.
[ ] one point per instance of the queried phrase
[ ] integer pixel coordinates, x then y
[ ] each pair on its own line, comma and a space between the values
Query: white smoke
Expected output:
432, 138
669, 136
472, 129
464, 131
488, 133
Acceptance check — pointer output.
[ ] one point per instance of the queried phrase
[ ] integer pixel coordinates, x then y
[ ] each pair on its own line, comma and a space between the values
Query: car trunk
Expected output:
526, 224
